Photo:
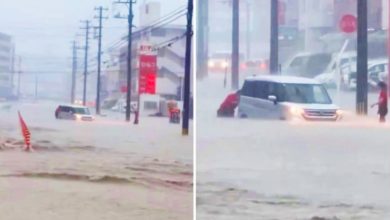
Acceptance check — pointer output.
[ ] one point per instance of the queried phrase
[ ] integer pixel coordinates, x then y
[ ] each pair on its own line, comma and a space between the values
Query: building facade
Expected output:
6, 65
168, 42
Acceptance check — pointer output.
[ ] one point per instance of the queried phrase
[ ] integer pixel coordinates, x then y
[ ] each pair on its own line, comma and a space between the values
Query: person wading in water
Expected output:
382, 102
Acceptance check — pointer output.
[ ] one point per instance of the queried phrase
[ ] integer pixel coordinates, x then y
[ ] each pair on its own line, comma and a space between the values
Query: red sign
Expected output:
145, 48
147, 74
282, 13
348, 23
123, 89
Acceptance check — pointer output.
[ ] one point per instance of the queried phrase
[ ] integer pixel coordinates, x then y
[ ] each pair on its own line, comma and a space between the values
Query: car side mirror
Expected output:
273, 99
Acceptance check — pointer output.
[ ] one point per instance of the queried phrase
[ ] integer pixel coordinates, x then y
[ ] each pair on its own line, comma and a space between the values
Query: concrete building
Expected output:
169, 43
6, 65
170, 59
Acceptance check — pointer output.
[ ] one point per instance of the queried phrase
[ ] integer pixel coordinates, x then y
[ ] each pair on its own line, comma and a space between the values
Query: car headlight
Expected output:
224, 64
296, 111
211, 64
78, 117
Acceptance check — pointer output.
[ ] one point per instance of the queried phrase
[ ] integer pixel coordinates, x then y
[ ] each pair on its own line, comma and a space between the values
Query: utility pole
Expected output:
19, 76
235, 44
248, 29
187, 71
36, 86
87, 27
274, 48
362, 87
129, 55
202, 39
74, 71
99, 57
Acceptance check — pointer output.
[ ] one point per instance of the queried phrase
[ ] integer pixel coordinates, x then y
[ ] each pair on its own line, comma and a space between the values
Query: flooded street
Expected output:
85, 165
290, 170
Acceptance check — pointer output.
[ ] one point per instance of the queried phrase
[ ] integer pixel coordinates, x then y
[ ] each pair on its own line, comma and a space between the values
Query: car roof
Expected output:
311, 54
377, 61
73, 106
282, 79
346, 54
370, 62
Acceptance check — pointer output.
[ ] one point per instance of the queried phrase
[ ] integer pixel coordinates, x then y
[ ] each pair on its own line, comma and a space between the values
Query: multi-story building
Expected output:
170, 59
169, 42
6, 65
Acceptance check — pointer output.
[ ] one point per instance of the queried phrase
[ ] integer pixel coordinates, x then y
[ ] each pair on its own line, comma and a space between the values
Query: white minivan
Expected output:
286, 97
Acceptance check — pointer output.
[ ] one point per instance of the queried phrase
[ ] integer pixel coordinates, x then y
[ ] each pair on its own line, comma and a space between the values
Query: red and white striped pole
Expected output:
26, 133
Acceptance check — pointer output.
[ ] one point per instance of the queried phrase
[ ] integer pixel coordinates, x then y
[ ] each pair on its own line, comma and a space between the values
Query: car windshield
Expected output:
81, 111
305, 93
309, 66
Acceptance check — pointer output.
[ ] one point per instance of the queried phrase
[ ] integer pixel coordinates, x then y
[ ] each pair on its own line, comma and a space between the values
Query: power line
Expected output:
169, 42
144, 30
151, 26
39, 29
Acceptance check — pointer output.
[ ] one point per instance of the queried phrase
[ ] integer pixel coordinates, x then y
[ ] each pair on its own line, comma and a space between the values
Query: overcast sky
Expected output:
44, 29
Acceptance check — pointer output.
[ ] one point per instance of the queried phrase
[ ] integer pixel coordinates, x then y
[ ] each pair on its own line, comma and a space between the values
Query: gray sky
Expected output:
43, 29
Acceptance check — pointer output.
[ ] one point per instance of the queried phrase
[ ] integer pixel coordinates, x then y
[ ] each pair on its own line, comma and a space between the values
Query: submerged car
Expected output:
286, 98
72, 112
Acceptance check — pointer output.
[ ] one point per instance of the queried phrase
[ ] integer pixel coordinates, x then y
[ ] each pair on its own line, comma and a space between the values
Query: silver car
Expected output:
71, 112
285, 97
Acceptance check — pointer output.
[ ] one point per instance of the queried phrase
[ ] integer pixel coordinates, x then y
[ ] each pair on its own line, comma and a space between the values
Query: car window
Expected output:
377, 68
261, 90
298, 61
65, 109
248, 89
319, 95
317, 64
344, 61
306, 93
272, 89
82, 111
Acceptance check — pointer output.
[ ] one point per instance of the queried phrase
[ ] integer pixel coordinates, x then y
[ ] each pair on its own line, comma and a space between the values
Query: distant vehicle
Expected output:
120, 106
311, 65
377, 71
286, 98
72, 112
221, 61
255, 66
347, 77
78, 102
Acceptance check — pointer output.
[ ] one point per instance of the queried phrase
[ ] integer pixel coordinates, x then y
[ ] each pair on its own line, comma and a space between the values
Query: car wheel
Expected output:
243, 116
